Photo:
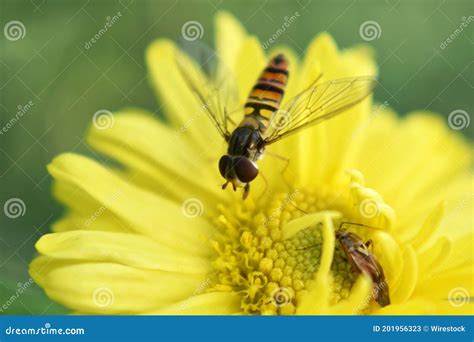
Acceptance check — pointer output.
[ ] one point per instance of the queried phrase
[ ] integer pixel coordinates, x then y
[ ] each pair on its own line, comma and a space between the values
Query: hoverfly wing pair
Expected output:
208, 79
264, 121
319, 102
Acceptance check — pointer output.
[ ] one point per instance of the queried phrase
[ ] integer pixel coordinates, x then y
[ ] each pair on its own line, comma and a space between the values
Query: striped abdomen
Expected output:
266, 95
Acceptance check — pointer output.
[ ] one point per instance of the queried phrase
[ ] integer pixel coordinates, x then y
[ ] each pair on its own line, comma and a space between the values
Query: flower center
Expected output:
268, 272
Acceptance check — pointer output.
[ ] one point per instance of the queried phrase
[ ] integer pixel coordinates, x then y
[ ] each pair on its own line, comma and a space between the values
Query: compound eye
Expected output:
245, 169
224, 162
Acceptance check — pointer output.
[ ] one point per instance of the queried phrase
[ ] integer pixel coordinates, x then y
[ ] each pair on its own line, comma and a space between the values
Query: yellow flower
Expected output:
159, 236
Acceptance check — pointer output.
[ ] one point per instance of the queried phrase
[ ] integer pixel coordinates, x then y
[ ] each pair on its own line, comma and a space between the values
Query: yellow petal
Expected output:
430, 260
408, 278
102, 220
158, 158
423, 236
337, 134
460, 205
322, 56
359, 299
126, 249
313, 141
422, 172
230, 36
359, 60
213, 303
109, 288
316, 300
439, 148
443, 284
96, 189
250, 63
412, 307
423, 306
180, 105
388, 254
375, 138
369, 206
291, 228
446, 308
461, 252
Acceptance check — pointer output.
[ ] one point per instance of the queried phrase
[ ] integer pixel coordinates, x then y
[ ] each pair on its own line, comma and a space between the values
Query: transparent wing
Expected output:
317, 103
210, 81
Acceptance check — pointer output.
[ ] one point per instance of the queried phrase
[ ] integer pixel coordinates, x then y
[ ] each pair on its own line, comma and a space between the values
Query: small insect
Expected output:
363, 261
265, 122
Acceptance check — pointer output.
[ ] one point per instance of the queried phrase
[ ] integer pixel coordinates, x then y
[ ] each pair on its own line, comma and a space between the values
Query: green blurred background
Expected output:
68, 83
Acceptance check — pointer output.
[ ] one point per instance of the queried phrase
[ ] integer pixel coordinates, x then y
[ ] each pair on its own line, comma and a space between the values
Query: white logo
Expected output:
458, 119
280, 119
192, 207
369, 208
103, 297
192, 30
281, 296
370, 30
458, 296
14, 208
14, 30
103, 119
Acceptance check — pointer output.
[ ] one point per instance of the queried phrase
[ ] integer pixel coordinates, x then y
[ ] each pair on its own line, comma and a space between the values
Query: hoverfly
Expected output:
363, 261
260, 125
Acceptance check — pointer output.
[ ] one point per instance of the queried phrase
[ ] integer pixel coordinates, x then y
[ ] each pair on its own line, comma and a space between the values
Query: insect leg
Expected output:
286, 162
246, 191
265, 188
357, 224
305, 248
228, 118
297, 208
284, 159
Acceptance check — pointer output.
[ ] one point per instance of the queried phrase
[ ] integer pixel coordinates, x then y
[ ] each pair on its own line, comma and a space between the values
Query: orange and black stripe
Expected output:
266, 95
